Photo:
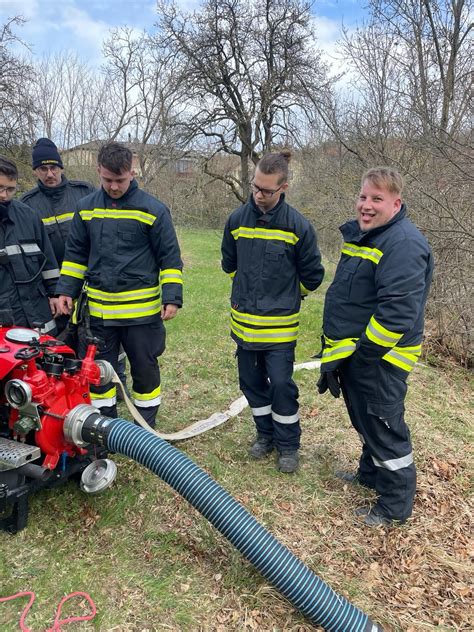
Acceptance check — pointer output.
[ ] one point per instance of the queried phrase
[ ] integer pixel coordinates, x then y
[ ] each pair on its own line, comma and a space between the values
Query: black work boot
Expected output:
288, 461
261, 448
373, 517
352, 477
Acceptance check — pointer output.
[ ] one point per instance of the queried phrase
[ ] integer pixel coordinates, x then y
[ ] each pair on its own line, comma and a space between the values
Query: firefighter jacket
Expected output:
273, 260
375, 305
28, 269
56, 205
127, 253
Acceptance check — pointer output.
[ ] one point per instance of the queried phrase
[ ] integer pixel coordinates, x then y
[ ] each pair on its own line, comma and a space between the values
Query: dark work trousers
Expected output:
266, 381
375, 399
143, 344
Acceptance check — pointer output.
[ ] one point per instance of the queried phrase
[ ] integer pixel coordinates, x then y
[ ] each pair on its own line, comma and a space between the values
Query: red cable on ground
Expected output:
57, 621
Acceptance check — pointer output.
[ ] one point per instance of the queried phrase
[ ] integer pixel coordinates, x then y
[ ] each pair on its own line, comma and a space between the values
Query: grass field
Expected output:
151, 562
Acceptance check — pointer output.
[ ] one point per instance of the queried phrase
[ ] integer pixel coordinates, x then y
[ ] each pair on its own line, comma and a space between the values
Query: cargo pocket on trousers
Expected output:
390, 414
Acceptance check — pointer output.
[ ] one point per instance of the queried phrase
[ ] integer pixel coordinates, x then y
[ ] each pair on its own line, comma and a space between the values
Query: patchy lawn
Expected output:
151, 562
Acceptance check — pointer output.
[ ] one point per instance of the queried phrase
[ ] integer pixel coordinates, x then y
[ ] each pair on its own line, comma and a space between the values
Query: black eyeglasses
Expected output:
8, 190
264, 192
45, 168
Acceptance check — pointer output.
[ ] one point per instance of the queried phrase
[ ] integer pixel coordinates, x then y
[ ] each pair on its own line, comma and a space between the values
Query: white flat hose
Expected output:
198, 427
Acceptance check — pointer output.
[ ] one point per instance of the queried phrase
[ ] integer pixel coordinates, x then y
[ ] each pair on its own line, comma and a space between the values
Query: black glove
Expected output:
329, 380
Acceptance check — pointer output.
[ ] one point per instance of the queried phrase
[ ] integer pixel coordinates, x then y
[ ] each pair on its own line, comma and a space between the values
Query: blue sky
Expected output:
81, 25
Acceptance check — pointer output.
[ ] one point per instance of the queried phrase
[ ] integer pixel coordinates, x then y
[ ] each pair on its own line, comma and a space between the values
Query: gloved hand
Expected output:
329, 380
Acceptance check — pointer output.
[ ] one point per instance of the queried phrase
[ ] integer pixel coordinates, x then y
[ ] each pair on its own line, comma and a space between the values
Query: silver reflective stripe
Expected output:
107, 401
403, 358
263, 410
285, 419
250, 335
122, 355
395, 464
337, 350
18, 250
377, 334
147, 403
361, 437
50, 274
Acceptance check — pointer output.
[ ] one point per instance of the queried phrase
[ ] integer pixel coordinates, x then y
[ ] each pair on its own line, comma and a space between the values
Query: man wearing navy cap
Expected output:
55, 198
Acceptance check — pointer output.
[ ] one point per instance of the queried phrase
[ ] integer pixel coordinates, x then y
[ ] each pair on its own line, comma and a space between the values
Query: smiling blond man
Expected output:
373, 328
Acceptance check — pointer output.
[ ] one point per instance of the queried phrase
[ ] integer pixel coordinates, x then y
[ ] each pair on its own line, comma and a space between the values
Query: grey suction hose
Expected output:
305, 590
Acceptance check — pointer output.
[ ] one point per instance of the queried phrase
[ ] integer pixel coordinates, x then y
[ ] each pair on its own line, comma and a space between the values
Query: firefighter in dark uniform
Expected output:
270, 251
123, 246
373, 327
28, 268
54, 198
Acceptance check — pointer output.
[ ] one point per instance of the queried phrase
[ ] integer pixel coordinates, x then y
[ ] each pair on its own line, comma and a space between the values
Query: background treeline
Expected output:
235, 78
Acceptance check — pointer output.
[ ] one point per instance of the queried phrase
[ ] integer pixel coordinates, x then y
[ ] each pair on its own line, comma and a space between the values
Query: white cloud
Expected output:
88, 34
329, 34
25, 8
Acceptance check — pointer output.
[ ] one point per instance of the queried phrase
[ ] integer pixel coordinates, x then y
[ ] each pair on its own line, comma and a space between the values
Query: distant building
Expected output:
85, 155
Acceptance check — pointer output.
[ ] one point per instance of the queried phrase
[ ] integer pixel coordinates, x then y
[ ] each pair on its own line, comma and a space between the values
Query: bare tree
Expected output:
16, 105
408, 105
243, 62
147, 99
64, 97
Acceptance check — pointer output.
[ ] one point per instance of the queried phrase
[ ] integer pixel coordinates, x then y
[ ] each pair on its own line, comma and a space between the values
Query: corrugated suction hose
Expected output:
305, 590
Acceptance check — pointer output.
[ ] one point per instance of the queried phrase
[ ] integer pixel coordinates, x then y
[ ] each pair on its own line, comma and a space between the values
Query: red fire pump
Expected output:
41, 380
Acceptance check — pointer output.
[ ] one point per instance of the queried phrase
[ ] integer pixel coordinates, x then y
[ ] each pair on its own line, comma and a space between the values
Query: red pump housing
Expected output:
40, 382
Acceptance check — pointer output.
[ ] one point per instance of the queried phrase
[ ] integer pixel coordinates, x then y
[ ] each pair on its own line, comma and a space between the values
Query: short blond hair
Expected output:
385, 178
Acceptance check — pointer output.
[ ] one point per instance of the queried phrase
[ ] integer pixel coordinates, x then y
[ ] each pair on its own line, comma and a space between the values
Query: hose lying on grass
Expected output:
305, 590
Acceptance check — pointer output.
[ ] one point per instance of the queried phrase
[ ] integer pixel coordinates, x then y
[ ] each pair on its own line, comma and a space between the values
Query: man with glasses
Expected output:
55, 197
28, 268
270, 251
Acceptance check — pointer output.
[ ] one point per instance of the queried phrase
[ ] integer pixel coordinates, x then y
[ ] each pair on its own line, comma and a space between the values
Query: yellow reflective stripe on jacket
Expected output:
126, 310
338, 349
265, 233
108, 213
403, 357
57, 219
378, 334
265, 321
77, 270
171, 275
270, 335
373, 254
130, 295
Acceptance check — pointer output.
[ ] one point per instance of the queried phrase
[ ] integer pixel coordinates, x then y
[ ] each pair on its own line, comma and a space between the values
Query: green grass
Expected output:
151, 562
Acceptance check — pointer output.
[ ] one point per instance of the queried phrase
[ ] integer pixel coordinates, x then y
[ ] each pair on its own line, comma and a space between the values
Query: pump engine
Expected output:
41, 380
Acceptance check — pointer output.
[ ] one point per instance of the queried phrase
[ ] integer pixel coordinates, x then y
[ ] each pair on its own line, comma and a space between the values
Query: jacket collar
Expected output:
351, 231
266, 217
119, 202
53, 191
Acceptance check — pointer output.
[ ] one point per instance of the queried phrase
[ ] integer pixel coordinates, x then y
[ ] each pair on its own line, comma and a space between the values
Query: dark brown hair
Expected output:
115, 157
276, 162
8, 168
